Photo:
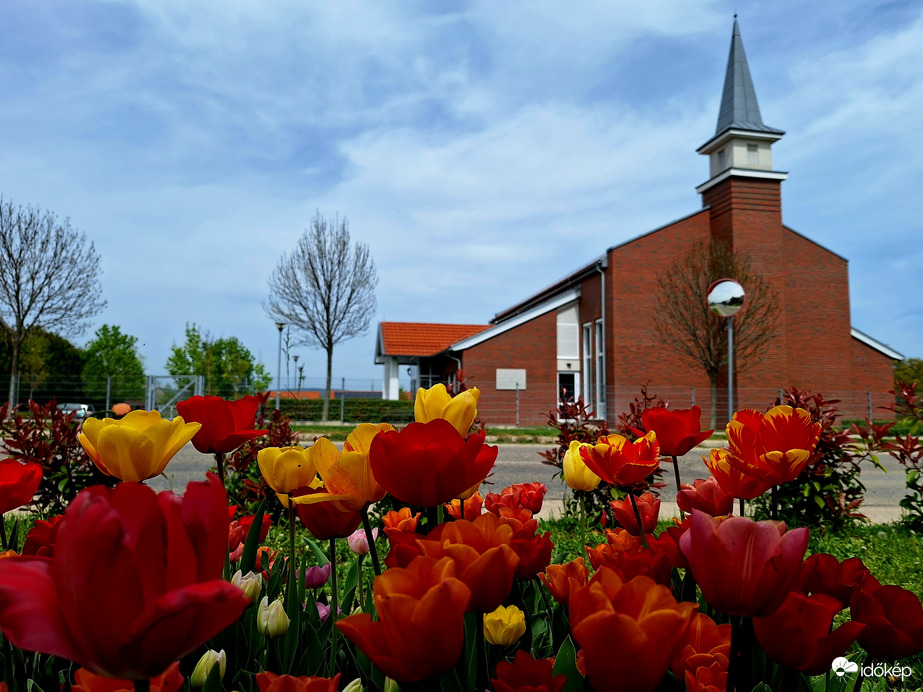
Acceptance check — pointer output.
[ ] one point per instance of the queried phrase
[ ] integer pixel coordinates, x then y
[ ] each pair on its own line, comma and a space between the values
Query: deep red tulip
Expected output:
134, 583
18, 483
823, 573
526, 674
420, 631
743, 567
85, 681
428, 464
238, 530
226, 425
705, 495
798, 633
620, 462
324, 519
561, 580
894, 622
534, 549
42, 536
641, 616
270, 682
525, 496
648, 508
678, 430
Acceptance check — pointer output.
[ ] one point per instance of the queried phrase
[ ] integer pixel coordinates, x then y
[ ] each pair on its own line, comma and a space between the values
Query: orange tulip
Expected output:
731, 479
648, 508
171, 680
620, 462
421, 627
642, 616
270, 682
774, 447
562, 580
705, 642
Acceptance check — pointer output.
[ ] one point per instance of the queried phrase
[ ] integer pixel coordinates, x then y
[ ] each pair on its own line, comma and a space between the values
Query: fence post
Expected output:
108, 391
868, 394
517, 404
342, 400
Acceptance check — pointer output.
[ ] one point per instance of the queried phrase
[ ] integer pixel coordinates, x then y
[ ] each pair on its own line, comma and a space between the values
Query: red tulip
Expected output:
428, 464
648, 508
520, 496
798, 633
678, 430
469, 508
526, 674
894, 622
643, 618
226, 425
731, 479
743, 567
534, 549
400, 520
705, 495
705, 643
421, 627
42, 536
823, 573
270, 682
620, 462
324, 519
85, 681
134, 583
624, 554
18, 483
712, 678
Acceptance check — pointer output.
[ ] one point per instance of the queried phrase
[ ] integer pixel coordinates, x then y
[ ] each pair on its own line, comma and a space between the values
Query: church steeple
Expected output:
741, 143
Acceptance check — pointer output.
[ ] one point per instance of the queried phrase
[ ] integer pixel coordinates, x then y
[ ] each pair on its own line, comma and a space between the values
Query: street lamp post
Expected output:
726, 298
280, 326
295, 358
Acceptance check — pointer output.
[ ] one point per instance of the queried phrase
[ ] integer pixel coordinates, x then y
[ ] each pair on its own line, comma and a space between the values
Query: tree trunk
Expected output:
329, 379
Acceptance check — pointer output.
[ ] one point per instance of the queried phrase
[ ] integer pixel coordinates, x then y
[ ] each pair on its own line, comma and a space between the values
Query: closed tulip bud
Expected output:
504, 625
251, 584
354, 686
209, 660
391, 685
271, 620
315, 577
576, 473
358, 542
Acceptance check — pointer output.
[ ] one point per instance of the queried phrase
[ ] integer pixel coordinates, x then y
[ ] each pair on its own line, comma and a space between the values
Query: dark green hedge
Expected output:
354, 410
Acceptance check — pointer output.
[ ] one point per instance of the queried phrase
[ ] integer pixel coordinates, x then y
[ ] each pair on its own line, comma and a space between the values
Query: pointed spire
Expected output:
739, 108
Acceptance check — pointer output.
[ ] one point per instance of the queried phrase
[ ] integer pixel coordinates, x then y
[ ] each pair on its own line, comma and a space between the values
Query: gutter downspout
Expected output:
601, 267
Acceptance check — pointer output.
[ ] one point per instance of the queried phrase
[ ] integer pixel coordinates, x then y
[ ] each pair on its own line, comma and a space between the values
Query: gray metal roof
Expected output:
739, 109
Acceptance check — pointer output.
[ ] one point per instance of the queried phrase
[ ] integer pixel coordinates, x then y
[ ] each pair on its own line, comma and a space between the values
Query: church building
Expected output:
591, 334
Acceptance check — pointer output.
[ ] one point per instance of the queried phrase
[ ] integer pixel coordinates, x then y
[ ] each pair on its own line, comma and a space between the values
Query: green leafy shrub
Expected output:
354, 410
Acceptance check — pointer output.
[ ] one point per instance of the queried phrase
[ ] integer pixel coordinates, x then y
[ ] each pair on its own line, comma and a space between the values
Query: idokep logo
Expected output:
843, 667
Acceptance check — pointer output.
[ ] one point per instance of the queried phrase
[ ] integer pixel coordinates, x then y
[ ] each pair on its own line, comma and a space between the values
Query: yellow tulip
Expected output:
436, 402
576, 473
347, 475
286, 468
504, 625
136, 447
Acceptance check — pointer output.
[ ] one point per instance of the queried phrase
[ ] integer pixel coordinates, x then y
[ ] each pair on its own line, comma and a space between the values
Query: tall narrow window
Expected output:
588, 384
600, 370
722, 159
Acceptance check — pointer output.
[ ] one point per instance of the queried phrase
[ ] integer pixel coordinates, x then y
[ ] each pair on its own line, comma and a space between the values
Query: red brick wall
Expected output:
871, 371
532, 346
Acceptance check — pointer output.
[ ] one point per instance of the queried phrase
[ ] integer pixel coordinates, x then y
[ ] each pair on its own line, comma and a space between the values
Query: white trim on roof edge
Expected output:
877, 345
556, 302
741, 173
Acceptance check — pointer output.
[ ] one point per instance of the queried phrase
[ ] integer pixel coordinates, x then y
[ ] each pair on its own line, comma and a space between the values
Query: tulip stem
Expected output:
333, 606
861, 677
582, 521
142, 685
373, 551
676, 471
634, 506
219, 459
775, 503
3, 538
742, 507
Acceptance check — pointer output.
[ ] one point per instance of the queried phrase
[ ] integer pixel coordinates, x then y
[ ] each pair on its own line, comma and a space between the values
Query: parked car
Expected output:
80, 411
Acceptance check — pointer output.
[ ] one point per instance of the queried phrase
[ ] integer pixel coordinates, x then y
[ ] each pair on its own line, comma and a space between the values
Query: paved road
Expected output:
520, 463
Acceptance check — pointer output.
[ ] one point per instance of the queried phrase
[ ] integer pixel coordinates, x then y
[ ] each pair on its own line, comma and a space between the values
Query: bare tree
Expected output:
325, 289
685, 322
49, 277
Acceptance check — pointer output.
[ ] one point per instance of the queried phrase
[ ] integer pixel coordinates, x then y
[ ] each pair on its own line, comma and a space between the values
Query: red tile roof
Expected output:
423, 339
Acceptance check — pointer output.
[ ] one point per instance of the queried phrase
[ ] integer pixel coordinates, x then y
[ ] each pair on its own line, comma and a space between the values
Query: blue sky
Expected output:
481, 149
